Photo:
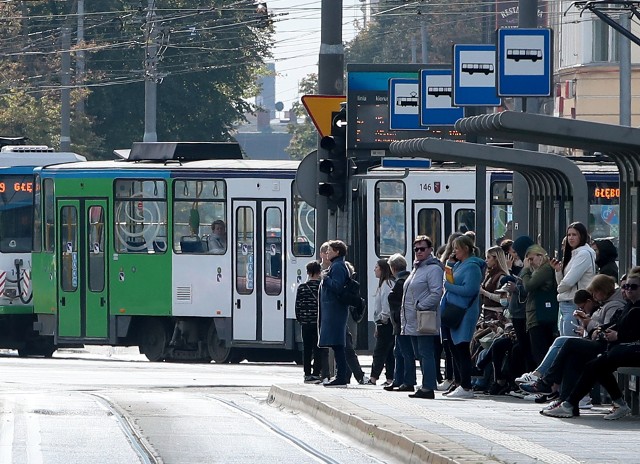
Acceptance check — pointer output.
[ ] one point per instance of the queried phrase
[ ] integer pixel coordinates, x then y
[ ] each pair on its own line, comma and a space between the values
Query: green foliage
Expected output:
388, 38
209, 54
305, 135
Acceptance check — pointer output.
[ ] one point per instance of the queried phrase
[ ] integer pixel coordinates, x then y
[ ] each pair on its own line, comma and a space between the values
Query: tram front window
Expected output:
16, 213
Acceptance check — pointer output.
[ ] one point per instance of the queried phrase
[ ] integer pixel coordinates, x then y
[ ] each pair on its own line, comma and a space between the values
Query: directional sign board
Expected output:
435, 96
474, 76
524, 62
404, 101
320, 109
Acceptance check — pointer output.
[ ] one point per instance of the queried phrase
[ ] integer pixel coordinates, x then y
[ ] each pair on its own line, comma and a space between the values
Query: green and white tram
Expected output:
17, 190
125, 253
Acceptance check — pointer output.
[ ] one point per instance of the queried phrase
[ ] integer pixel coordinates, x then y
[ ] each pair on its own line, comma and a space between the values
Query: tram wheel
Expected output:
154, 340
219, 353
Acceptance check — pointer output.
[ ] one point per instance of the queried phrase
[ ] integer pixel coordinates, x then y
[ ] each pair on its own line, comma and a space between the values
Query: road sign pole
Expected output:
330, 82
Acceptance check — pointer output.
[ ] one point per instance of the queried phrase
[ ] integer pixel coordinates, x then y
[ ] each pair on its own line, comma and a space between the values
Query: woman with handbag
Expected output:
461, 299
574, 272
542, 302
422, 293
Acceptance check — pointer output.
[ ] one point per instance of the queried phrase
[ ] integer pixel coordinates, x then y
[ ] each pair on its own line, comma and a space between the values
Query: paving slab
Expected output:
480, 430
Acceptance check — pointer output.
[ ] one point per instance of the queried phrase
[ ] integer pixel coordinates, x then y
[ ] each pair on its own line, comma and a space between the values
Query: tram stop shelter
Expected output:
620, 143
557, 187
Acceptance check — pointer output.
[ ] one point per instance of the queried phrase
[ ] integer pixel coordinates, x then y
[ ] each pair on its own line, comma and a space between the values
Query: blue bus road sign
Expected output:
525, 62
406, 163
404, 110
435, 96
474, 76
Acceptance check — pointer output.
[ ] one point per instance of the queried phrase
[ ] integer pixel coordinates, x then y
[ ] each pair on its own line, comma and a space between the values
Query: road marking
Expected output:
34, 439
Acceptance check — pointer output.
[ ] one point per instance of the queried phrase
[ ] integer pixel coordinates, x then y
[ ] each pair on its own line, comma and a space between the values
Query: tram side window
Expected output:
140, 215
37, 216
604, 210
390, 218
244, 241
501, 211
69, 245
200, 216
16, 213
304, 227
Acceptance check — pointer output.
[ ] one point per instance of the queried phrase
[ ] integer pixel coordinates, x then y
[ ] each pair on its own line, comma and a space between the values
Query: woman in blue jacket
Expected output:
332, 318
468, 272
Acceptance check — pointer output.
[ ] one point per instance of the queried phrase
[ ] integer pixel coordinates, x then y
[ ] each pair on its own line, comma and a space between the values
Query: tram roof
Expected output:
37, 158
204, 165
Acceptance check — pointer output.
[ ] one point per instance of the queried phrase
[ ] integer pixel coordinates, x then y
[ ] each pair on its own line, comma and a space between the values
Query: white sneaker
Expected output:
554, 404
618, 413
585, 403
461, 393
526, 378
444, 385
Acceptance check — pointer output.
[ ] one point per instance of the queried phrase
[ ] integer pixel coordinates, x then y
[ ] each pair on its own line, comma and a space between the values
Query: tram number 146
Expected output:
431, 187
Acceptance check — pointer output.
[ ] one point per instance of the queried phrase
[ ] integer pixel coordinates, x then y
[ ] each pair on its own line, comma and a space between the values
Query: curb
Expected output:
403, 442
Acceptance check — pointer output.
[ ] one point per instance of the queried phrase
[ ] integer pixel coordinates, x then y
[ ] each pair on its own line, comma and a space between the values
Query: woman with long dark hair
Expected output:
574, 272
383, 351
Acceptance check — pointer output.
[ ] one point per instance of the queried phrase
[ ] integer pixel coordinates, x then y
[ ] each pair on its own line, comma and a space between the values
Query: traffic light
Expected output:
336, 163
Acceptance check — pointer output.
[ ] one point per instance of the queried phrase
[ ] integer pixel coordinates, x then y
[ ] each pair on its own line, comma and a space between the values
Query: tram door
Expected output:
258, 262
439, 220
82, 290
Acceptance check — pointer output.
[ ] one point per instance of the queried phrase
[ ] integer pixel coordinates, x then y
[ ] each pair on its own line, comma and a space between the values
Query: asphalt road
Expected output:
106, 405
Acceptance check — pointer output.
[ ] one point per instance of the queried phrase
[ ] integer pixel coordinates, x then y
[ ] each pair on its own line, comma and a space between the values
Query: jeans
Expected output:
541, 337
383, 352
551, 355
567, 321
423, 349
408, 375
311, 350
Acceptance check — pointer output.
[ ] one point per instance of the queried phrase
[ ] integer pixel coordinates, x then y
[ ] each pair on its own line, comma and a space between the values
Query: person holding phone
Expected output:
574, 272
622, 341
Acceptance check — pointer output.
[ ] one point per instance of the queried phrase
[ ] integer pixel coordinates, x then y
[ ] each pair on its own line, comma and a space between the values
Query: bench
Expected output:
628, 381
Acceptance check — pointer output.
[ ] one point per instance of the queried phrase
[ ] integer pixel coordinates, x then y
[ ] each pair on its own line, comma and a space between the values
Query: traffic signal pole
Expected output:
330, 82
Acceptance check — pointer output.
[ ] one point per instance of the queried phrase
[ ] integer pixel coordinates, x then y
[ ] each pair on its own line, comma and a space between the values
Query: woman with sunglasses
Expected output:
622, 339
575, 271
422, 292
468, 272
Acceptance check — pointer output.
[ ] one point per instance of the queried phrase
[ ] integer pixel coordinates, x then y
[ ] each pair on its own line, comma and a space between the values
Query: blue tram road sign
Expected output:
435, 97
524, 62
474, 75
404, 110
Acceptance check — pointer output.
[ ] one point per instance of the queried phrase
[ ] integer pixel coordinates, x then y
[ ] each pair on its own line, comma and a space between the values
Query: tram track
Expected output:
138, 443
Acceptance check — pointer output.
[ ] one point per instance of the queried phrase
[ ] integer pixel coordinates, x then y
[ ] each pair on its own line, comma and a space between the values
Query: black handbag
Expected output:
452, 315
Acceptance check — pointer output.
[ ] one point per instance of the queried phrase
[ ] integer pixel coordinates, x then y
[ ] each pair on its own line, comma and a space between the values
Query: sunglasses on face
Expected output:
630, 287
417, 249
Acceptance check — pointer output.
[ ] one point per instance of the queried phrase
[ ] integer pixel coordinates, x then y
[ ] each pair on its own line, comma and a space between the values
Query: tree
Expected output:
305, 135
209, 54
387, 38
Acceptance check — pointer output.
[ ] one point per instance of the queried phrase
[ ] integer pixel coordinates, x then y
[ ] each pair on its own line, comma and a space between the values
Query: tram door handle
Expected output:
279, 305
238, 303
63, 301
102, 301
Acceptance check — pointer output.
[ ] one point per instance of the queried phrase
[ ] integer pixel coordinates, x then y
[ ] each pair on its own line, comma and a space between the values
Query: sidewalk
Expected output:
485, 429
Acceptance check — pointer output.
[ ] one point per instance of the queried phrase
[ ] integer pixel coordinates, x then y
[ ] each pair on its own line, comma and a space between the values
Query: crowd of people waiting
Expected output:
550, 330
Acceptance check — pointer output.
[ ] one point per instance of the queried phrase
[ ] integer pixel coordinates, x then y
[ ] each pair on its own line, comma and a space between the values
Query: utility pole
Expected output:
80, 65
330, 82
624, 47
150, 72
65, 92
527, 18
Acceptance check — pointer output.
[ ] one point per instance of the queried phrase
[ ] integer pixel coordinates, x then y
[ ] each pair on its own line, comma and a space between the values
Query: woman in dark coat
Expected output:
333, 314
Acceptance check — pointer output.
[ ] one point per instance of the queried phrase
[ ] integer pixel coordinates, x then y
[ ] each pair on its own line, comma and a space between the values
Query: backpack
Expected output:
350, 296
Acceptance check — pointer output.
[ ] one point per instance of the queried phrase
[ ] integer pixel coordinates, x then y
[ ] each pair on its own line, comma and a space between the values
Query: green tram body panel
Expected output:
134, 284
